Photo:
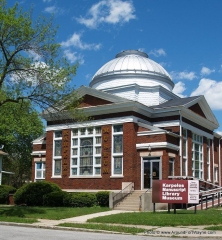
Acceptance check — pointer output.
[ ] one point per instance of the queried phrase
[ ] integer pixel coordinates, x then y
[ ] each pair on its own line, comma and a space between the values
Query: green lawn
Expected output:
105, 227
31, 214
181, 218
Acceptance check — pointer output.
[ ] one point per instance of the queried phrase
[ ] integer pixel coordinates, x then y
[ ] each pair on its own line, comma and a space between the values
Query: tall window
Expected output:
171, 167
197, 156
86, 151
39, 170
216, 174
184, 138
57, 156
208, 159
117, 154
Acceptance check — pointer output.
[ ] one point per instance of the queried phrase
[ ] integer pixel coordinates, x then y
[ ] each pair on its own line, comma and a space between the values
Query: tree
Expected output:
19, 126
31, 63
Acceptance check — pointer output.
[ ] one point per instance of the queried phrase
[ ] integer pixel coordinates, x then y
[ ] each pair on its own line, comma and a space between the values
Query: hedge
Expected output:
5, 190
55, 199
32, 194
82, 200
103, 198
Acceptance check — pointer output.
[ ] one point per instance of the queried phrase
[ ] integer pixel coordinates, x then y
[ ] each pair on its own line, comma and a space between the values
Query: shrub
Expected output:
54, 199
82, 200
32, 194
103, 198
5, 190
67, 199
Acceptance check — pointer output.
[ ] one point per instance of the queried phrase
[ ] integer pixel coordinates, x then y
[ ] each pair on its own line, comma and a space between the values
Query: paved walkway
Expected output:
180, 231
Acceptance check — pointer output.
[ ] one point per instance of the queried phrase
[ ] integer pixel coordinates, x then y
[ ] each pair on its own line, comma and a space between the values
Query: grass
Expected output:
24, 214
105, 227
211, 216
214, 228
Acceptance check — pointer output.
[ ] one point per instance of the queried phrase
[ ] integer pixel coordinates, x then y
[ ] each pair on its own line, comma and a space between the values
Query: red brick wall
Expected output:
197, 109
92, 101
131, 159
49, 155
39, 147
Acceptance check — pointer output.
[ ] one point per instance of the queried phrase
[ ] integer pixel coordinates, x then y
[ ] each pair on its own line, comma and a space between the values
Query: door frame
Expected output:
150, 159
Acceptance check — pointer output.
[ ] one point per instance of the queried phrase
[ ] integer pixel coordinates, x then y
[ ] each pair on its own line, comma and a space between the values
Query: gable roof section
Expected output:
106, 97
176, 102
89, 100
197, 109
197, 105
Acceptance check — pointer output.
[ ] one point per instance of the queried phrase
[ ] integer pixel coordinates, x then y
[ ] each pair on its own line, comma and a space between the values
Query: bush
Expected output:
5, 190
32, 194
103, 198
54, 199
82, 200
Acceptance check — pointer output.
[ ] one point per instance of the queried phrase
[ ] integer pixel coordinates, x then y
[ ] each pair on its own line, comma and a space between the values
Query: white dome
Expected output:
131, 67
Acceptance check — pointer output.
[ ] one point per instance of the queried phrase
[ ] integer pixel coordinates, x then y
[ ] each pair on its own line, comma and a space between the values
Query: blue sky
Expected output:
184, 36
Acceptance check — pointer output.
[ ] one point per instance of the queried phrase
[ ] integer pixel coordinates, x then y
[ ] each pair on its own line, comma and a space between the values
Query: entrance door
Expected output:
151, 171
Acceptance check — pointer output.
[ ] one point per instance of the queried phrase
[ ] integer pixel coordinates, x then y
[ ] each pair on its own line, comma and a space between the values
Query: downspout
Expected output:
219, 173
213, 158
180, 152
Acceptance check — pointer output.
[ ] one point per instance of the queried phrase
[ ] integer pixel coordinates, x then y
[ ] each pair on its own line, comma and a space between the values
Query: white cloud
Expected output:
141, 49
183, 75
73, 56
220, 133
75, 41
179, 88
211, 89
157, 52
46, 0
35, 56
54, 10
206, 71
51, 9
108, 11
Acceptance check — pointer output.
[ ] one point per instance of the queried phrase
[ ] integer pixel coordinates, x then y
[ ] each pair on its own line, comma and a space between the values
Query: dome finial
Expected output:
132, 52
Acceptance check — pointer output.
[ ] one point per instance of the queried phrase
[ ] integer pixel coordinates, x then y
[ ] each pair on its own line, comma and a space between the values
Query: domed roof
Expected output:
132, 63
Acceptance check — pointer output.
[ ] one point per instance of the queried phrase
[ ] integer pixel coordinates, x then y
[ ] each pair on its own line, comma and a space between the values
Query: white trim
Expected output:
188, 114
197, 130
148, 133
157, 145
157, 132
112, 108
39, 142
85, 176
96, 123
38, 153
173, 123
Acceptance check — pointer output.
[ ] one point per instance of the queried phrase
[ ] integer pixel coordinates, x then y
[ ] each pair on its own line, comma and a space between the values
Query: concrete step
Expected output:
131, 202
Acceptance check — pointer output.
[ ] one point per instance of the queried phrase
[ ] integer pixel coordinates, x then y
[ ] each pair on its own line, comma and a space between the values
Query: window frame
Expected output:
197, 150
184, 144
41, 170
57, 158
117, 131
77, 135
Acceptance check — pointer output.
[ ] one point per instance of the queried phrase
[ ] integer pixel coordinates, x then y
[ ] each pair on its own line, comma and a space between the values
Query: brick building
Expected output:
139, 131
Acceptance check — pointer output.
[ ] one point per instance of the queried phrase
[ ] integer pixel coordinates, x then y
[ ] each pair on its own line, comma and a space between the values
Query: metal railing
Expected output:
123, 193
208, 192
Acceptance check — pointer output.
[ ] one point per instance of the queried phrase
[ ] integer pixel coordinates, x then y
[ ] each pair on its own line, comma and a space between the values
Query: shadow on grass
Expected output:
20, 211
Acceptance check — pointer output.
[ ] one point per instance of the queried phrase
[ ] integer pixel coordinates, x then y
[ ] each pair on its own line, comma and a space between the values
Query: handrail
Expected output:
212, 191
122, 194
